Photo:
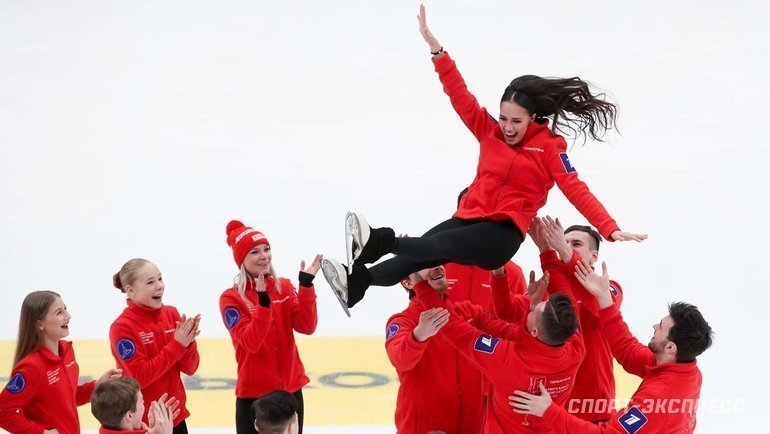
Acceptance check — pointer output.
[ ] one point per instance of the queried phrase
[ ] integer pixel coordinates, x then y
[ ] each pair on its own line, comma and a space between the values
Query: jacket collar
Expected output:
142, 311
64, 348
674, 368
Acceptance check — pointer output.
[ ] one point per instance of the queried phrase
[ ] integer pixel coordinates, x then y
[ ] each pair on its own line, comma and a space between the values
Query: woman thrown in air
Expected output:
521, 157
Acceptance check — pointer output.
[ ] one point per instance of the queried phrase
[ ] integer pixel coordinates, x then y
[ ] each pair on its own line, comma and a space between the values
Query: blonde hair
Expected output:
242, 279
128, 273
33, 309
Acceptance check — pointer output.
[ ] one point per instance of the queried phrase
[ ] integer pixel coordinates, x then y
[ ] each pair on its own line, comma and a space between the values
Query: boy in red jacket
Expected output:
118, 405
666, 401
541, 350
440, 390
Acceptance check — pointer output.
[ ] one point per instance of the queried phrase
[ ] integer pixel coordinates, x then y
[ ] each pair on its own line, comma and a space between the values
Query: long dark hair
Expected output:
569, 101
33, 309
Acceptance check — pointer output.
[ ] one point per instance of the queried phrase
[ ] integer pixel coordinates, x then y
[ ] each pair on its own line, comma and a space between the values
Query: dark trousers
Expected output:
181, 428
482, 243
244, 418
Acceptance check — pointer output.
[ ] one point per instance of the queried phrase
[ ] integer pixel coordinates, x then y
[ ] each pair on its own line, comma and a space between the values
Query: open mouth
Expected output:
436, 276
66, 326
157, 297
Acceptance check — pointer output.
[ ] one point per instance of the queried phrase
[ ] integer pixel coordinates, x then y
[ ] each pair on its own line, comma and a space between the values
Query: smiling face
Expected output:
147, 289
258, 260
514, 120
436, 278
55, 323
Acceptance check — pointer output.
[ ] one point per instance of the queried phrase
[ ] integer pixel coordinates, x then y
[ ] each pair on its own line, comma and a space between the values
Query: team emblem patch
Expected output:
16, 384
392, 330
632, 420
125, 348
565, 162
486, 344
232, 316
614, 290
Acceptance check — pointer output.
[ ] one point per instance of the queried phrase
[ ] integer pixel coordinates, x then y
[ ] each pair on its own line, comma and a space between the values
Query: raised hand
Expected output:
171, 404
537, 288
598, 286
261, 286
527, 403
186, 331
536, 232
160, 419
314, 266
628, 236
431, 321
109, 374
554, 233
433, 43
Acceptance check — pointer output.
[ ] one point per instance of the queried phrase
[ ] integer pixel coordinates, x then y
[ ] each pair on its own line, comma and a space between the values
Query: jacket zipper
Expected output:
507, 175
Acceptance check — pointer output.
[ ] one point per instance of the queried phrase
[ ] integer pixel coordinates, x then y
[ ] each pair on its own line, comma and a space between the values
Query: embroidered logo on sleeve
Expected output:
16, 384
632, 420
486, 344
125, 348
232, 316
565, 162
614, 290
392, 330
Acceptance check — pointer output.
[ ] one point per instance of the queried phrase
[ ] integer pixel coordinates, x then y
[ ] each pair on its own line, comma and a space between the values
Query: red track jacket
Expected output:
143, 345
440, 390
510, 358
263, 338
43, 393
467, 282
593, 394
512, 183
664, 403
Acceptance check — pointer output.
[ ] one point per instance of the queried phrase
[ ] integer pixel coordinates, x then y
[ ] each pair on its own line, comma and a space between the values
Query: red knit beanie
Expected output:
242, 239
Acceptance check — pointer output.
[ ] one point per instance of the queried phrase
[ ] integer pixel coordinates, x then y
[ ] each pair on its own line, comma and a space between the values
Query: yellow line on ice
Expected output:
351, 380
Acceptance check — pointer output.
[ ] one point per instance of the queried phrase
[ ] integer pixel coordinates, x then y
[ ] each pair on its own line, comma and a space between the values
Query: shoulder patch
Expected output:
614, 290
392, 330
565, 162
632, 420
125, 348
16, 384
232, 317
486, 344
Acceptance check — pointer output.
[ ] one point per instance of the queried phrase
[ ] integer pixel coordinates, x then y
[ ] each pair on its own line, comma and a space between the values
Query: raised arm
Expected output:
629, 352
476, 118
304, 307
405, 341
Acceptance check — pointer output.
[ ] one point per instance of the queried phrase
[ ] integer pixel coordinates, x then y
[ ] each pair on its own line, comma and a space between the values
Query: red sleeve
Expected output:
577, 191
557, 418
403, 349
22, 387
84, 392
304, 315
246, 329
507, 307
488, 354
629, 352
474, 116
517, 283
129, 354
188, 364
191, 360
558, 280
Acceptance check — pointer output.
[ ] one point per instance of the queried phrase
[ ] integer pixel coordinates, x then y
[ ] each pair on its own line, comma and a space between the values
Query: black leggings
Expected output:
482, 243
244, 419
181, 428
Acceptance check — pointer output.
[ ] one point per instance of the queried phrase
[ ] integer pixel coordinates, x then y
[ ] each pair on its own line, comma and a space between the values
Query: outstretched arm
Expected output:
475, 118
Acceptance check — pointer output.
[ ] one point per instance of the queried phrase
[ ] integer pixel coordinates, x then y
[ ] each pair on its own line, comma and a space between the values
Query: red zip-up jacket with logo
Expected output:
664, 403
467, 282
263, 338
43, 393
512, 182
593, 394
143, 345
510, 358
440, 390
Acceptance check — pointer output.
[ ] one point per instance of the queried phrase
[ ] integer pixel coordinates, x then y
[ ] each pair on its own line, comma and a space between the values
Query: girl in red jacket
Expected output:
520, 159
261, 311
42, 394
150, 341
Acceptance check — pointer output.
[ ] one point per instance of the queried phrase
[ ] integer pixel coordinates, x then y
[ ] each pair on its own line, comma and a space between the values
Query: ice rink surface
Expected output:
140, 128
